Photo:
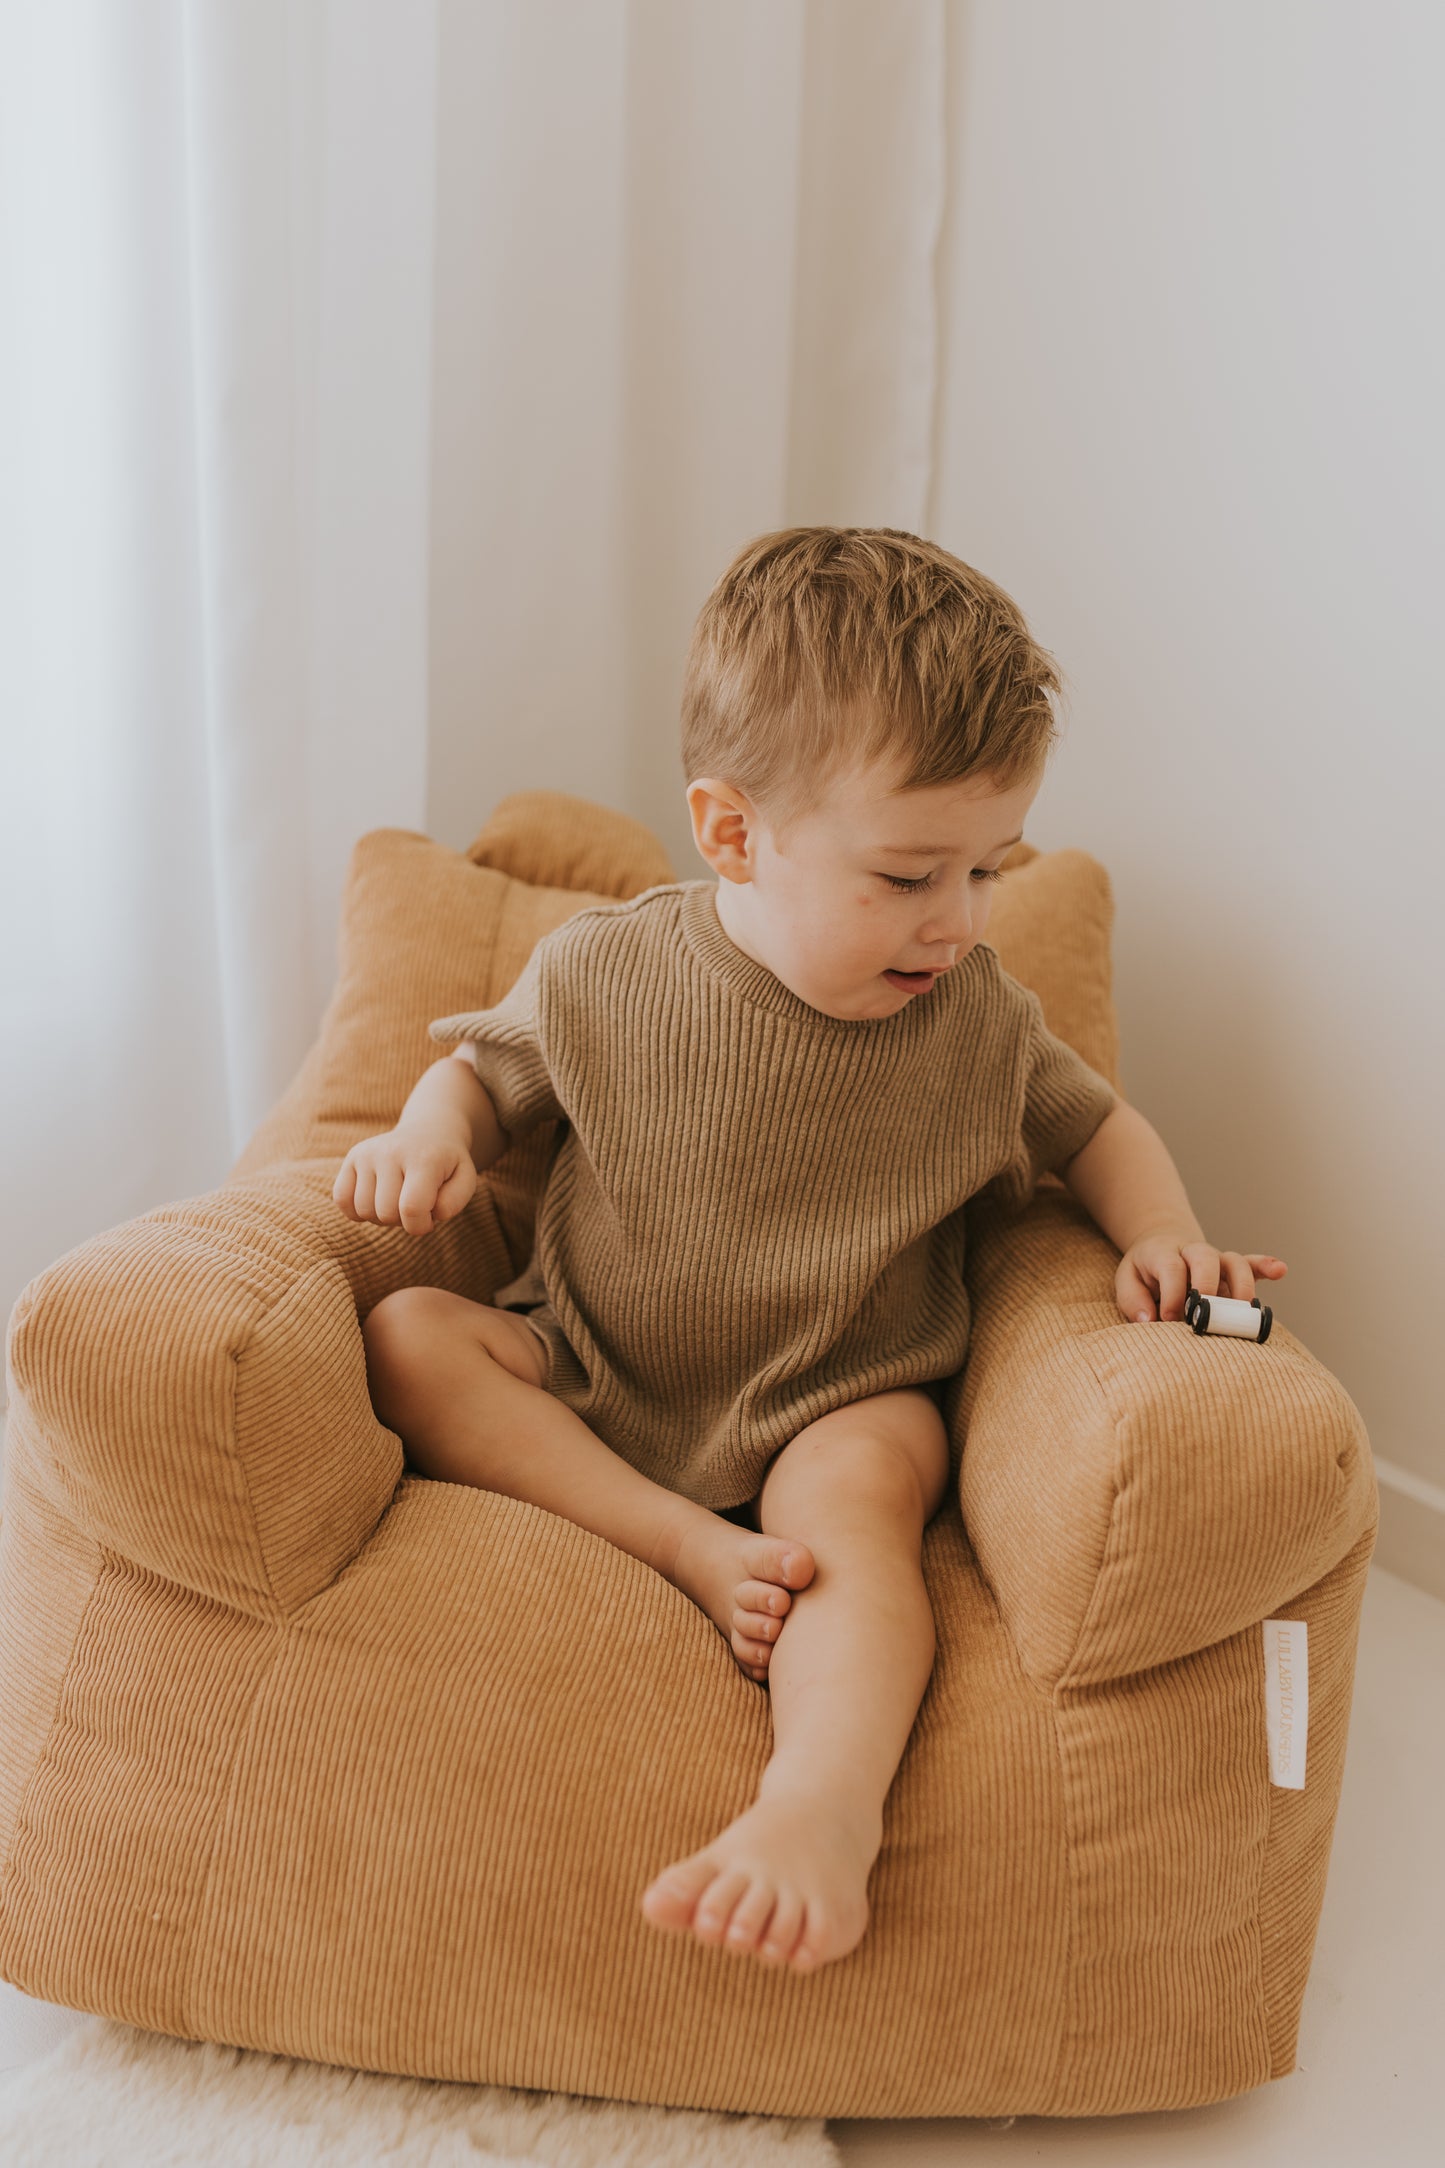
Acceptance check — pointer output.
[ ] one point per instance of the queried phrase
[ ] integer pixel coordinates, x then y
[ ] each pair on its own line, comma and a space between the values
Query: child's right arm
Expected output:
425, 1170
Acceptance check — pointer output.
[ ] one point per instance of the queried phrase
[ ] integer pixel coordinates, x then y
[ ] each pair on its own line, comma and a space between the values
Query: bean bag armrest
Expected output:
198, 1378
1135, 1492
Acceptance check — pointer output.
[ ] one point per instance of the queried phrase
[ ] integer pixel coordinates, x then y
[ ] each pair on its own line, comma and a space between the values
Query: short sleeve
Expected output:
508, 1050
1064, 1101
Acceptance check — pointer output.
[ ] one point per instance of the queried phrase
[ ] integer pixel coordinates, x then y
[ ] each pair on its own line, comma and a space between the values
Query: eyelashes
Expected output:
912, 888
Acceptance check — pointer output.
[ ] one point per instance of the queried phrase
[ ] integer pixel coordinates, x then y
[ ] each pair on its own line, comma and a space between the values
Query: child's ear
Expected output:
722, 824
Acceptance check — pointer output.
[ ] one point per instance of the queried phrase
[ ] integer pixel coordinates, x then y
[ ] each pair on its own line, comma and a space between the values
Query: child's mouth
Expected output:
911, 982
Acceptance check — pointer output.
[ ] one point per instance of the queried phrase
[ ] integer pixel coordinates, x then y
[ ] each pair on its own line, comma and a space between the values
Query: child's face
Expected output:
850, 893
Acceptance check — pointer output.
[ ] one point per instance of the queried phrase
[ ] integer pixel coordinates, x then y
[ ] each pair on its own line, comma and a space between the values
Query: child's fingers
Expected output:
1136, 1286
1237, 1276
455, 1193
1206, 1268
387, 1206
1173, 1286
1133, 1294
414, 1207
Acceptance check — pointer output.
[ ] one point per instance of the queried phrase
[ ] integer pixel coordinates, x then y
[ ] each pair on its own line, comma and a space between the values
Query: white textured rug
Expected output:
114, 2096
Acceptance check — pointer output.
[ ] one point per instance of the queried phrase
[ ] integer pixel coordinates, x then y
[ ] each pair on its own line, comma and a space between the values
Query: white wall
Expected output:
1191, 419
1188, 413
684, 293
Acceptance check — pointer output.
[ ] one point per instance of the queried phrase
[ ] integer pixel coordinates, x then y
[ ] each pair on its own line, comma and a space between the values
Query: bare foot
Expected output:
742, 1581
786, 1882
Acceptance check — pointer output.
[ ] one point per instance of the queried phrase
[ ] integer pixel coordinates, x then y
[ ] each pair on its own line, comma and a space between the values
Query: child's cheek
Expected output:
869, 925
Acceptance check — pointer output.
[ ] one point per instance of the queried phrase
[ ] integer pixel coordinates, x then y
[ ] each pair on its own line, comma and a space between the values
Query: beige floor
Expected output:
1369, 2087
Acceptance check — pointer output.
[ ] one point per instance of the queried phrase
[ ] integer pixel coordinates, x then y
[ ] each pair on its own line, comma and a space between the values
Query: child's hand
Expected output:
1164, 1266
409, 1176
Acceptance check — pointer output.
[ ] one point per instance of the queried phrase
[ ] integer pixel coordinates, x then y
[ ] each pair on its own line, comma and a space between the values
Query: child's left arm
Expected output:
1125, 1179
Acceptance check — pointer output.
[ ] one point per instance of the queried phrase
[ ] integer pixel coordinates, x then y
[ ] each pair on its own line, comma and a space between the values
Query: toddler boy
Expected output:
775, 1092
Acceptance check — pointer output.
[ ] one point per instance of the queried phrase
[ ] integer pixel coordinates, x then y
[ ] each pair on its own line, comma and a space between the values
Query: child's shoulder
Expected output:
650, 914
982, 974
631, 911
990, 998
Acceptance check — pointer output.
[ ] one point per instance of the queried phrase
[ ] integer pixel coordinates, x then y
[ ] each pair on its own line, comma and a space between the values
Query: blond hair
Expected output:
822, 649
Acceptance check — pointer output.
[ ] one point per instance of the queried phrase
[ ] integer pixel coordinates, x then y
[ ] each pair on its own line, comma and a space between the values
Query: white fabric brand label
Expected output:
1287, 1699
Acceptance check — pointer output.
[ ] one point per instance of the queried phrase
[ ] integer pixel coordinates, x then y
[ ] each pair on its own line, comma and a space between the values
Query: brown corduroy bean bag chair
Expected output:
305, 1752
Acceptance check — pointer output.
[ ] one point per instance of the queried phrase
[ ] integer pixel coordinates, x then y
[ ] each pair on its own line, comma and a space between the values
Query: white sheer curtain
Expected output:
382, 385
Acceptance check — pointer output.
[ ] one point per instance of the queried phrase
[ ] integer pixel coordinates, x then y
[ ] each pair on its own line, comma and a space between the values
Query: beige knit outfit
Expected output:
754, 1213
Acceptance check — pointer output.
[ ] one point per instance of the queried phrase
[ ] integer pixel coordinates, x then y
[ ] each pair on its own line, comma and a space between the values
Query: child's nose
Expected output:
949, 930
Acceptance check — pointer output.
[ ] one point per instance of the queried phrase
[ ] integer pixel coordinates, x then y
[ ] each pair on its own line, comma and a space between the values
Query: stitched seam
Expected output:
22, 1822
282, 1638
232, 1450
1069, 2030
1257, 1916
1108, 1547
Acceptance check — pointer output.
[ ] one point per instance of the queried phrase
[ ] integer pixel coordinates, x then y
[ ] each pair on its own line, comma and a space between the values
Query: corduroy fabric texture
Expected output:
755, 1213
307, 1753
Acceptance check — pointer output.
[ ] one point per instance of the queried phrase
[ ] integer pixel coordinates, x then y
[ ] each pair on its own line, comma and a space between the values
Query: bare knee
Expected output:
858, 1504
401, 1322
842, 1476
887, 1460
400, 1335
410, 1332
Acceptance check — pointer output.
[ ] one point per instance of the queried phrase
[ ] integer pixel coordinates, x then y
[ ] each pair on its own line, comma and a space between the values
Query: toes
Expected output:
757, 1625
780, 1938
804, 1957
710, 1920
753, 1655
826, 1937
796, 1565
764, 1596
814, 1945
668, 1901
782, 1559
750, 1916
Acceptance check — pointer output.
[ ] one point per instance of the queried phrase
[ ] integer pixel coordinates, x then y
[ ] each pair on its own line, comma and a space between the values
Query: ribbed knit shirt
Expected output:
754, 1212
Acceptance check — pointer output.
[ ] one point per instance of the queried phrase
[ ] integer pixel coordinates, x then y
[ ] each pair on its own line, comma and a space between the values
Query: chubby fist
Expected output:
408, 1177
1156, 1273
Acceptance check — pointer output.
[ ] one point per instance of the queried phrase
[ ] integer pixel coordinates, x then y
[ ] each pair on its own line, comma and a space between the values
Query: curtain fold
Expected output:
383, 385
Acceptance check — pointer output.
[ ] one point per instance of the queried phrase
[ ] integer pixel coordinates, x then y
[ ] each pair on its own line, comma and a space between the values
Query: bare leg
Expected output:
459, 1382
788, 1878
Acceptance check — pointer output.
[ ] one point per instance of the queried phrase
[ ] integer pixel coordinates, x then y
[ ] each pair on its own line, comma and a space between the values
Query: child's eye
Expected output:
911, 888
